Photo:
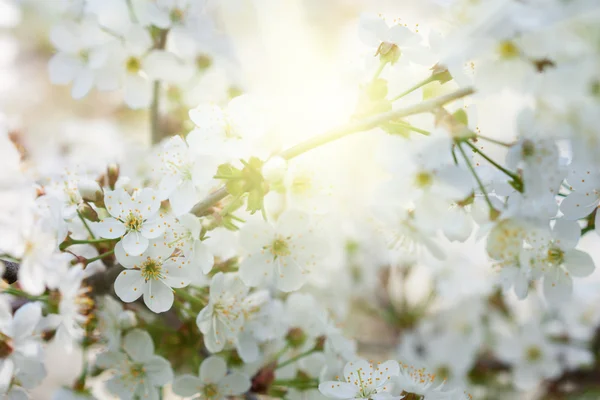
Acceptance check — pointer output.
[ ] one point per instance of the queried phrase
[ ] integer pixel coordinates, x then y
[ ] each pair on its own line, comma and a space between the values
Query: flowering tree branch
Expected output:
337, 133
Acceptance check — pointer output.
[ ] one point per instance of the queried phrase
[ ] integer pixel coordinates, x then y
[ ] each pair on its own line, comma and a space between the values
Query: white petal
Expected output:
83, 83
187, 385
579, 263
152, 228
578, 205
109, 228
25, 320
63, 68
202, 257
138, 91
558, 287
138, 344
175, 274
134, 243
338, 390
125, 259
289, 276
183, 198
159, 371
235, 384
257, 269
158, 296
129, 285
566, 233
293, 222
213, 369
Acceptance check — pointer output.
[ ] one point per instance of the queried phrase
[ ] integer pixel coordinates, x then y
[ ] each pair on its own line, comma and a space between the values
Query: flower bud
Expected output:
112, 173
127, 319
87, 212
89, 190
388, 52
296, 337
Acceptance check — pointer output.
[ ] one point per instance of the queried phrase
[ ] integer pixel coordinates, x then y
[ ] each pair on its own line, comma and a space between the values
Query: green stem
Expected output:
191, 298
101, 256
7, 257
281, 352
345, 130
494, 163
155, 128
415, 87
491, 140
382, 65
296, 383
19, 293
413, 128
87, 227
295, 358
472, 169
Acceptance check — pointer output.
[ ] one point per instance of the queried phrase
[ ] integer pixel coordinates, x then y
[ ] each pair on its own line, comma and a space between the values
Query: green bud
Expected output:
296, 337
87, 212
388, 52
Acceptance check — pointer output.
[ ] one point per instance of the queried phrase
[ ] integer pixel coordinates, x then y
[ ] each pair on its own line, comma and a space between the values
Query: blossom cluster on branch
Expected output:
243, 258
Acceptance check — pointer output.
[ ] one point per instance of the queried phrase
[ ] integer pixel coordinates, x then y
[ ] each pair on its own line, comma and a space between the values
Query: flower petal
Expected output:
129, 285
187, 385
213, 369
134, 243
580, 264
139, 346
158, 296
338, 390
175, 274
159, 371
109, 228
235, 384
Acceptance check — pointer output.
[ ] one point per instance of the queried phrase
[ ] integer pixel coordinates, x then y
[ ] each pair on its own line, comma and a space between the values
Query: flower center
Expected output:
423, 180
556, 256
6, 346
210, 390
508, 50
133, 65
280, 248
533, 353
203, 62
151, 270
528, 149
134, 222
137, 371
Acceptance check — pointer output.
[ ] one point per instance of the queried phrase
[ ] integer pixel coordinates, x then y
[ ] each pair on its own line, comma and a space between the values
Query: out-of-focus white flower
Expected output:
213, 381
139, 373
20, 346
112, 320
280, 254
223, 318
364, 380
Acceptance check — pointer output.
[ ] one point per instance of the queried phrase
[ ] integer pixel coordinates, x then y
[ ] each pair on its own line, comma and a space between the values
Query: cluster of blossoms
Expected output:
452, 231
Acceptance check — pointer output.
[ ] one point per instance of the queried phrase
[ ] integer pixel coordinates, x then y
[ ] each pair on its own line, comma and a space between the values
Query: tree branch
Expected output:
338, 133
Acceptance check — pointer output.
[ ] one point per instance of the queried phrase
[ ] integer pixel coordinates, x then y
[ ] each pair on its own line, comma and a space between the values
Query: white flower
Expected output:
280, 254
81, 58
223, 318
213, 382
112, 319
134, 219
228, 134
533, 357
186, 232
413, 380
41, 264
73, 309
556, 258
376, 32
363, 380
185, 176
139, 373
152, 274
20, 347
